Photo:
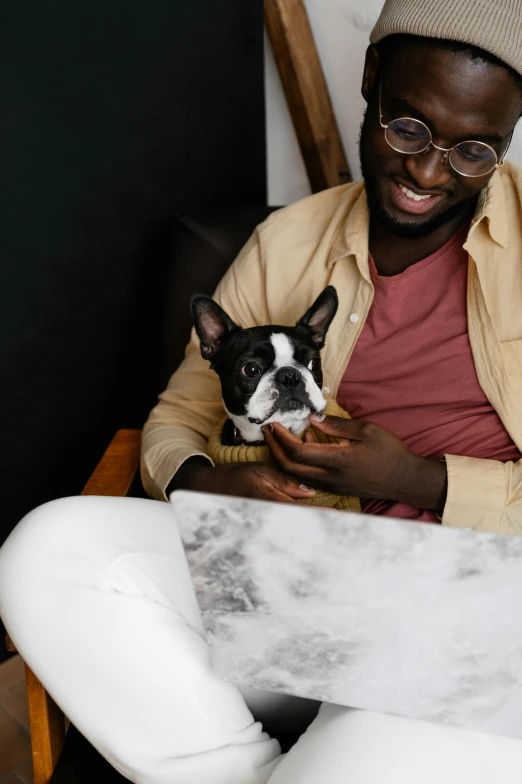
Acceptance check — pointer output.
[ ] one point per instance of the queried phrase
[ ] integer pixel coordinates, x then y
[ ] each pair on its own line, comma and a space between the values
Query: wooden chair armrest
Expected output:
116, 470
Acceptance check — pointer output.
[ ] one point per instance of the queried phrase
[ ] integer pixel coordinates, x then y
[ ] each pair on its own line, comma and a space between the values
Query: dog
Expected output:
268, 374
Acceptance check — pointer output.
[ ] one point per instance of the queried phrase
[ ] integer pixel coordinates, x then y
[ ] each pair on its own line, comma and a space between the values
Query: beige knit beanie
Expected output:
492, 25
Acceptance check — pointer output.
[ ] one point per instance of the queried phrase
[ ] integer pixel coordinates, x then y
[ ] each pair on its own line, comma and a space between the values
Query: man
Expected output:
427, 347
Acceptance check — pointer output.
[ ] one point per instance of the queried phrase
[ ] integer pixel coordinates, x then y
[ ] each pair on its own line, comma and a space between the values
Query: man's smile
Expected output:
408, 200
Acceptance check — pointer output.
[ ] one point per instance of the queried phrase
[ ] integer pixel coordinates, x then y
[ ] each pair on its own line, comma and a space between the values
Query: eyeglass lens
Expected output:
411, 136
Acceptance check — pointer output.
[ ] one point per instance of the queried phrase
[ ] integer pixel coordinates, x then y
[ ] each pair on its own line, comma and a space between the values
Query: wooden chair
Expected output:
113, 476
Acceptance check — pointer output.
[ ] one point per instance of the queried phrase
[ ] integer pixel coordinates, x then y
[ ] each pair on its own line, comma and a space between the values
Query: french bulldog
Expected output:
268, 374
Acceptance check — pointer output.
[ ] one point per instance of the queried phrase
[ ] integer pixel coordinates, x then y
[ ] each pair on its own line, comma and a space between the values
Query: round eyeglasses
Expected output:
410, 136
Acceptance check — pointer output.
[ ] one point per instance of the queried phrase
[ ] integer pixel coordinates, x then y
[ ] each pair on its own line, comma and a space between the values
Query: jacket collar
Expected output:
352, 240
491, 207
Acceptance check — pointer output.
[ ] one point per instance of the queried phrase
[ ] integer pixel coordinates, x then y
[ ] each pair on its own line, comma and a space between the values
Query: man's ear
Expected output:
212, 324
318, 318
372, 70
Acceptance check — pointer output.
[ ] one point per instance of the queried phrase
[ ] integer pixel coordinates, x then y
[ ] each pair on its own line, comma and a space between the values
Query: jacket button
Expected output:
354, 318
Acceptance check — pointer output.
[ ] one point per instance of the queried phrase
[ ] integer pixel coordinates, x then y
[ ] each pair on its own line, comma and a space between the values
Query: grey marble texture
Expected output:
405, 618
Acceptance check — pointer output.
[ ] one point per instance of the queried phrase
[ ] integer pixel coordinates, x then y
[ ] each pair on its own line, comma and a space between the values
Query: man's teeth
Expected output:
411, 195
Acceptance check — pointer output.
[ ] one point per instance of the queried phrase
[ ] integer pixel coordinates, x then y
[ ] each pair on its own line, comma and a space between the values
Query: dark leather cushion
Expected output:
203, 248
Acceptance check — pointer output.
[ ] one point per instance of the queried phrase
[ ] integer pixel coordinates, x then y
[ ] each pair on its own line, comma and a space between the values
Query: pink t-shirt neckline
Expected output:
455, 241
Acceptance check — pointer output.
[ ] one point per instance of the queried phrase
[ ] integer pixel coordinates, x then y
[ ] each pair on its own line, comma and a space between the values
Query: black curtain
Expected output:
114, 115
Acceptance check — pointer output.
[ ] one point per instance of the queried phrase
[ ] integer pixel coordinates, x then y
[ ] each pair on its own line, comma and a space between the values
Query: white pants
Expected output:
97, 597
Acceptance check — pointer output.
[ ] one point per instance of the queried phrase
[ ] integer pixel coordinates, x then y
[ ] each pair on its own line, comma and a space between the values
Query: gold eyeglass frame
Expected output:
446, 150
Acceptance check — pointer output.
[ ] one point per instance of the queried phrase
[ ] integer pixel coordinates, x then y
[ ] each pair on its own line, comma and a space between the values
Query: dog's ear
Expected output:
319, 316
212, 324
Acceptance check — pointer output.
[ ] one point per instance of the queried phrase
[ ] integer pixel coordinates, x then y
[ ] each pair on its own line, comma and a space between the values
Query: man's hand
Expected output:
370, 462
249, 480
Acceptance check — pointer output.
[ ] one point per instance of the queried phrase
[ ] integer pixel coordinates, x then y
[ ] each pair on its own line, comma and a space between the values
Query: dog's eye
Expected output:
314, 364
251, 369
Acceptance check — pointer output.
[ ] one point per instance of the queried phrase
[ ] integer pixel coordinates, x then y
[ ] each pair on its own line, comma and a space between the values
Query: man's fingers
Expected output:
277, 495
290, 452
280, 430
339, 427
292, 486
304, 472
284, 488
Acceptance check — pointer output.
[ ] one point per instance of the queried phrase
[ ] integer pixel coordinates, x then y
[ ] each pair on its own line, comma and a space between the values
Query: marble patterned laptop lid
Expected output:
394, 616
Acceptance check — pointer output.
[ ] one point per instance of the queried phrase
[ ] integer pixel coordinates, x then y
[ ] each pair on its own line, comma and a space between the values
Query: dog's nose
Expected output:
288, 377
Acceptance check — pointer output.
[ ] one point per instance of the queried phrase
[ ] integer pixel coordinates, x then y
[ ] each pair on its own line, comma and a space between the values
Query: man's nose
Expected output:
288, 377
429, 170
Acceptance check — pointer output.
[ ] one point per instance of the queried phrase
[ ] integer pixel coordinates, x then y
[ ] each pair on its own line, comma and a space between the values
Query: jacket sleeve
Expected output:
191, 406
484, 495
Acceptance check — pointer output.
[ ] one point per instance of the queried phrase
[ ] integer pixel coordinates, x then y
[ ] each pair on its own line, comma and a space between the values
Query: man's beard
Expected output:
402, 228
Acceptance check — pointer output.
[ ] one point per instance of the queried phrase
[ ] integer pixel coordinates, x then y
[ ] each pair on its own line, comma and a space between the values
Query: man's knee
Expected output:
34, 550
40, 531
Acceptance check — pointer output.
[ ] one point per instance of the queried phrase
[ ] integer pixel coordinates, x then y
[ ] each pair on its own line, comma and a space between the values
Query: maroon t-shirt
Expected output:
412, 369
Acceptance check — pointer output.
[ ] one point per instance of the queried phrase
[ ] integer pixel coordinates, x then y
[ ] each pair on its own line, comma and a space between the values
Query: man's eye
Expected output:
251, 369
474, 151
314, 365
404, 133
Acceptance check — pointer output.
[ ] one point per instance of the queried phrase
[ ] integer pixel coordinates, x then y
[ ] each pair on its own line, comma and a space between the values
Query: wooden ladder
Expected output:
307, 95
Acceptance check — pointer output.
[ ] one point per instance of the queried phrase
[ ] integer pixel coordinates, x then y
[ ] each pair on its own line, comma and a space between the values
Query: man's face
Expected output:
459, 100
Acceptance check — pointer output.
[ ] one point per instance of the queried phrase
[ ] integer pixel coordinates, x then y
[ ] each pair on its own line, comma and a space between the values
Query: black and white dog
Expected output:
267, 374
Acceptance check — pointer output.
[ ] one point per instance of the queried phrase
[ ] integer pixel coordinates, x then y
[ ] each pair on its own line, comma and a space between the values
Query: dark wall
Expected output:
114, 115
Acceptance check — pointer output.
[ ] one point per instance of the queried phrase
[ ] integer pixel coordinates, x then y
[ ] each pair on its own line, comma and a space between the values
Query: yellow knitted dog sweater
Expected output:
223, 455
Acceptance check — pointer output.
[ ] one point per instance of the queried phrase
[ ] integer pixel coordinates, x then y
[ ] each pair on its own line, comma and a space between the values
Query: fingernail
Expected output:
318, 417
305, 488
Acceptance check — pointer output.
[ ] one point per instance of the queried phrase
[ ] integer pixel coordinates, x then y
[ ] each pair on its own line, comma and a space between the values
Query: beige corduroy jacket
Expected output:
324, 240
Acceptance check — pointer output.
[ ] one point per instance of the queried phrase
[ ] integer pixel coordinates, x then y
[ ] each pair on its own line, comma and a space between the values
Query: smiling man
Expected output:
426, 354
426, 350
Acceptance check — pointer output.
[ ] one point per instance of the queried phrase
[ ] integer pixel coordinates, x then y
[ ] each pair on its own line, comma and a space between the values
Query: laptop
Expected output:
412, 619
